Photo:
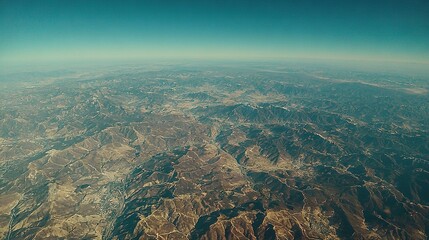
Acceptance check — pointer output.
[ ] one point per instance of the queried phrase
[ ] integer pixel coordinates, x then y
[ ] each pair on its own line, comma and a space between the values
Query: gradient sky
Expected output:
56, 30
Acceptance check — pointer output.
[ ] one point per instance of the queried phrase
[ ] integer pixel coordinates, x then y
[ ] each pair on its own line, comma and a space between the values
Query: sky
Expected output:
59, 30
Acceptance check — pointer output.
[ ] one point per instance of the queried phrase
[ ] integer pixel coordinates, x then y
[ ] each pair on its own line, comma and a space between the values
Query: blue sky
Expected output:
33, 31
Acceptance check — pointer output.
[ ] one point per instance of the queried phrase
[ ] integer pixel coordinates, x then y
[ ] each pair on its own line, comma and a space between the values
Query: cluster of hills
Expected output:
215, 153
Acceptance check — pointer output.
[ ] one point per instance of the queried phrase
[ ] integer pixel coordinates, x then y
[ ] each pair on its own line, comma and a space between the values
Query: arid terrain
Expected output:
214, 152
